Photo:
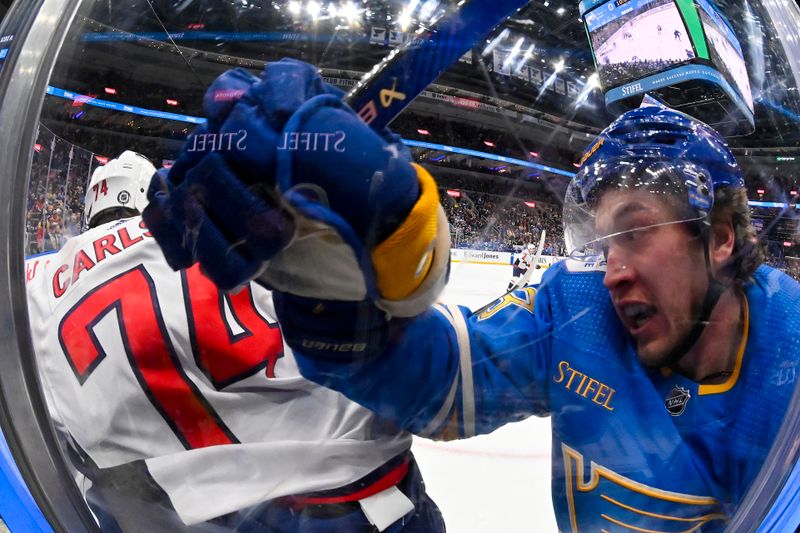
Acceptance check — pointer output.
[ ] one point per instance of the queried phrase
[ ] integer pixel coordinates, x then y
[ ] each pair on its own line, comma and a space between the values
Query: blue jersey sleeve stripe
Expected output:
465, 364
432, 429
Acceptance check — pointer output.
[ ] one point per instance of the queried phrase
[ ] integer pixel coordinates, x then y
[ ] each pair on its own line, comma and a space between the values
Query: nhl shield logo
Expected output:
676, 401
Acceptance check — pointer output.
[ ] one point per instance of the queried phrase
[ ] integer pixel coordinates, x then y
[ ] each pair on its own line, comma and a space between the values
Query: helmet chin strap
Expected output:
713, 293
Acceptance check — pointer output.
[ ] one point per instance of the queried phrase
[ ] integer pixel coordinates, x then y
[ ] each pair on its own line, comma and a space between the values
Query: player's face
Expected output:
656, 276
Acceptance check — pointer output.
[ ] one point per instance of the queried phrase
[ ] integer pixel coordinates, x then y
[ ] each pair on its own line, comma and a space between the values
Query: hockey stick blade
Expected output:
523, 280
399, 78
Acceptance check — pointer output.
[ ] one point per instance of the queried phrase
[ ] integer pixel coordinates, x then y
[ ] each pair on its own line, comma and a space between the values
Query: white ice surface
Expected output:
498, 482
646, 42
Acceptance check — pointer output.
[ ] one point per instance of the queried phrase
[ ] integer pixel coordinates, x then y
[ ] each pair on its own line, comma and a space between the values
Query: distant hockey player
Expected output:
660, 352
181, 405
522, 263
677, 35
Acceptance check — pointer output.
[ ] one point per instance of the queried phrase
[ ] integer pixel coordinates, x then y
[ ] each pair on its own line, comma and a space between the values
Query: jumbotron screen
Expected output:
726, 53
637, 38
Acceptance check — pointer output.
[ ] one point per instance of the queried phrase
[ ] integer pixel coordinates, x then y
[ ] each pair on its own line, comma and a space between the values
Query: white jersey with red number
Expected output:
140, 362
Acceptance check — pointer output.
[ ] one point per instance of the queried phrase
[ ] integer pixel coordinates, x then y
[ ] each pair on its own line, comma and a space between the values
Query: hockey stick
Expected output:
399, 78
522, 281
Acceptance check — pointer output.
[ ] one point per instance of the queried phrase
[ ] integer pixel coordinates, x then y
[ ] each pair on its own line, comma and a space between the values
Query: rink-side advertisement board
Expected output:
484, 257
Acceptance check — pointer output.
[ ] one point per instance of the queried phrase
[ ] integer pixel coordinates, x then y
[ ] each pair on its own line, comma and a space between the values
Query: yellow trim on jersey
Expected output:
643, 530
573, 457
729, 383
703, 518
511, 299
404, 258
598, 471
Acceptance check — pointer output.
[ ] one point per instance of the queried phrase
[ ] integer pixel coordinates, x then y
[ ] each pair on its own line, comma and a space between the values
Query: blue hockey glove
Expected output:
285, 184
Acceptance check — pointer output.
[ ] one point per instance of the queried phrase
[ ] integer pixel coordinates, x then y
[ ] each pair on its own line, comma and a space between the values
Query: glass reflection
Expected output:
203, 441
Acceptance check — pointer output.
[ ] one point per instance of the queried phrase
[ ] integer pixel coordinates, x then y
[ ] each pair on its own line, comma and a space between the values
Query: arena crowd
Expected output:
485, 212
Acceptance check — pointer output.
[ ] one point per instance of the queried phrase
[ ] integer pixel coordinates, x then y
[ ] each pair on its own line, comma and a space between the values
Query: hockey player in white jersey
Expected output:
180, 405
522, 263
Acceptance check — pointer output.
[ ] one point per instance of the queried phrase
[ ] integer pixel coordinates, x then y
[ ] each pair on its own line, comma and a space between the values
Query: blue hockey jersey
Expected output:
633, 448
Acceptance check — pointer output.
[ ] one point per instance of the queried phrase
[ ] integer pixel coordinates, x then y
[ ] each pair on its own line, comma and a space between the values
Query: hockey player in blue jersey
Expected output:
663, 351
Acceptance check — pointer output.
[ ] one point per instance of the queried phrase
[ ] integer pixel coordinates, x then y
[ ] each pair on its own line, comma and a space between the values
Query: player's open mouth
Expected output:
636, 315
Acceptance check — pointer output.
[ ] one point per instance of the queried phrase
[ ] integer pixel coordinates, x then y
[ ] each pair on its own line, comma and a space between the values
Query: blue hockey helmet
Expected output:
655, 149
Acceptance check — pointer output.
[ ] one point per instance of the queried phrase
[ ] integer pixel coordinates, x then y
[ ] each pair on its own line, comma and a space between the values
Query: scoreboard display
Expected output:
682, 52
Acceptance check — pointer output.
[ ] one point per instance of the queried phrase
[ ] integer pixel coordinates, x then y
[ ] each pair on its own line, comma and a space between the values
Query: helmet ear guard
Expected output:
121, 183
